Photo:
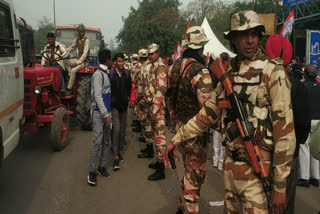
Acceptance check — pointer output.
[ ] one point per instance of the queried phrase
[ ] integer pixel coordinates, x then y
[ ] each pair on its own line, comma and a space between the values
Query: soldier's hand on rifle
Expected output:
173, 148
107, 120
278, 200
217, 68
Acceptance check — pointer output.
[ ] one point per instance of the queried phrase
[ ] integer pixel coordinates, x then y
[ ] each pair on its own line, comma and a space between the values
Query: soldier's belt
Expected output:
242, 156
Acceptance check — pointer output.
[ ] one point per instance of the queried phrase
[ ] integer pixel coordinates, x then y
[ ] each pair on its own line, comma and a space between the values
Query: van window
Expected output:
7, 43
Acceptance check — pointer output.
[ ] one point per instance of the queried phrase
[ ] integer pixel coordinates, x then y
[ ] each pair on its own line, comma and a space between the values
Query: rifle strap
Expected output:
223, 77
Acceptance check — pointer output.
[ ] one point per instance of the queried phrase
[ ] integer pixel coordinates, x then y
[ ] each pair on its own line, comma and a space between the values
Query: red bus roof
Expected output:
75, 27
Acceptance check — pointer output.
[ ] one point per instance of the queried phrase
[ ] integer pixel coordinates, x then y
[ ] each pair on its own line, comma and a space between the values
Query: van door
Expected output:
11, 80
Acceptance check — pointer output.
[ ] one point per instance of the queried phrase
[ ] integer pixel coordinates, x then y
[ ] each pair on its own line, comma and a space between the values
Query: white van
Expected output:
11, 80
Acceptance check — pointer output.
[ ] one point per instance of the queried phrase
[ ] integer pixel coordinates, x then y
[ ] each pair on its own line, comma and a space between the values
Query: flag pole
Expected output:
54, 13
275, 16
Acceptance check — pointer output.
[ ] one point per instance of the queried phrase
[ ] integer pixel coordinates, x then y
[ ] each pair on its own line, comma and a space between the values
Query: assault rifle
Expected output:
246, 130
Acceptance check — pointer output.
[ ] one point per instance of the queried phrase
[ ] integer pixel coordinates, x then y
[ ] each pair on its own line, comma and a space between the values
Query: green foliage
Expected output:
156, 21
40, 35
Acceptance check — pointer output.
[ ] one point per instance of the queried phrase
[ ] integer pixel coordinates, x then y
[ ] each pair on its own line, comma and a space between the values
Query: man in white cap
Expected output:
82, 43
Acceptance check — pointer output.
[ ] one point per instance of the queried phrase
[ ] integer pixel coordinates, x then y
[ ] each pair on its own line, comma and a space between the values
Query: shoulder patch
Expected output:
205, 71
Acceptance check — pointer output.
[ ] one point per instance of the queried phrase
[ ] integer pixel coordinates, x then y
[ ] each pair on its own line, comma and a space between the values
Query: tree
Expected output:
156, 21
40, 35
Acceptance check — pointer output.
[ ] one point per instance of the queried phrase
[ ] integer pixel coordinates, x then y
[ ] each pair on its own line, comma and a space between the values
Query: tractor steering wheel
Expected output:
44, 54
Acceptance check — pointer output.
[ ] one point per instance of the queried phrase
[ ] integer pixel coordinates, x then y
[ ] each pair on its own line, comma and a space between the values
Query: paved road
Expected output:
35, 180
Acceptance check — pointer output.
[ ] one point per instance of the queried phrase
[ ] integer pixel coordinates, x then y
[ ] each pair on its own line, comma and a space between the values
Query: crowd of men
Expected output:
269, 93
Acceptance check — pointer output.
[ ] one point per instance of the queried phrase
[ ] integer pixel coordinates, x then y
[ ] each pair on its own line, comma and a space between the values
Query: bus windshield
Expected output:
66, 37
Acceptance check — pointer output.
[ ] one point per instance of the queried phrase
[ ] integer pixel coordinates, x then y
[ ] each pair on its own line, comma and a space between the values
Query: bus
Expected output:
11, 80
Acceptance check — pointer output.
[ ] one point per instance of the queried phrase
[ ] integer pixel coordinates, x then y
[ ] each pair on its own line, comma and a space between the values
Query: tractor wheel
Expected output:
84, 103
59, 129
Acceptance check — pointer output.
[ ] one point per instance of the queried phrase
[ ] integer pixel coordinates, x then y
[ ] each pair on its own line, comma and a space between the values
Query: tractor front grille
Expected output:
27, 106
27, 90
27, 82
27, 98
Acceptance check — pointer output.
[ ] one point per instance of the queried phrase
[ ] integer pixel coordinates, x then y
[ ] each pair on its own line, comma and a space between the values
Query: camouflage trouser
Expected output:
144, 116
243, 190
146, 130
194, 154
158, 134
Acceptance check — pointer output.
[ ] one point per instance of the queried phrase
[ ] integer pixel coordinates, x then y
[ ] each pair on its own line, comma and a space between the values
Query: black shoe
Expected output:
142, 139
144, 150
314, 182
136, 129
145, 155
303, 183
102, 171
159, 173
120, 158
179, 211
92, 178
135, 124
116, 164
154, 165
148, 152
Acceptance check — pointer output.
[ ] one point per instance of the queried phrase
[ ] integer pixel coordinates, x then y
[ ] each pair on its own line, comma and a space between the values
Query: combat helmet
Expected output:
195, 38
152, 48
143, 53
244, 20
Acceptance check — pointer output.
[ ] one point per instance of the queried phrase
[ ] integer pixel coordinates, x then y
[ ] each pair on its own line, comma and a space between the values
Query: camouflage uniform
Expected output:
185, 101
137, 80
158, 89
264, 89
145, 102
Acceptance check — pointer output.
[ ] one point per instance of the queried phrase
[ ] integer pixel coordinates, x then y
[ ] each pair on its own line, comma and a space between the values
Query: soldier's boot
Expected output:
148, 152
144, 150
158, 174
142, 139
135, 124
154, 165
136, 129
179, 211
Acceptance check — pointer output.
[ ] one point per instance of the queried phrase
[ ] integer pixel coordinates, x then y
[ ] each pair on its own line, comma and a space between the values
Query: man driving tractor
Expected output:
82, 43
53, 54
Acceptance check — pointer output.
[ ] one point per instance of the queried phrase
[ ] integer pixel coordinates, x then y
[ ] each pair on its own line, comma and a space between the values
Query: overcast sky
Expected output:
103, 14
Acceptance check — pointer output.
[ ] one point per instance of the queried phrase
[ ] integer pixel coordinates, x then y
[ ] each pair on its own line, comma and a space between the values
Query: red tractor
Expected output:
45, 104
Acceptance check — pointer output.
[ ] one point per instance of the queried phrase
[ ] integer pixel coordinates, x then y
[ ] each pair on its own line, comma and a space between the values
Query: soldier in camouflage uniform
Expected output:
264, 90
190, 87
145, 109
127, 64
136, 73
156, 93
136, 81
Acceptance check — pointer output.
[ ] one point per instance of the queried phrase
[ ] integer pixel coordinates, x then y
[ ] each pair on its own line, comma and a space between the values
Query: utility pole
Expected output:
275, 16
54, 13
